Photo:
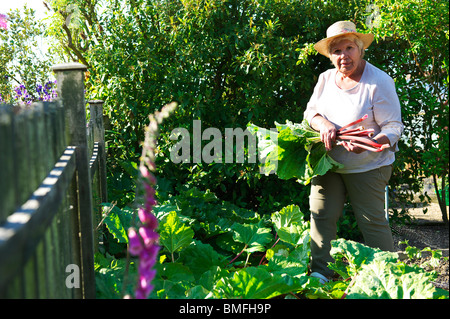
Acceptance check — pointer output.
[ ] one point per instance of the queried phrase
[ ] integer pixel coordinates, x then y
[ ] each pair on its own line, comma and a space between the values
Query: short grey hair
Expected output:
350, 37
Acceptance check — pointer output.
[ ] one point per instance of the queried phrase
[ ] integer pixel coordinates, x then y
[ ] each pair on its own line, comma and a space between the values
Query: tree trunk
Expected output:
441, 198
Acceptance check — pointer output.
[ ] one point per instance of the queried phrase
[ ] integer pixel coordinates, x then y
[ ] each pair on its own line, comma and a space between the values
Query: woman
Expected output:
342, 95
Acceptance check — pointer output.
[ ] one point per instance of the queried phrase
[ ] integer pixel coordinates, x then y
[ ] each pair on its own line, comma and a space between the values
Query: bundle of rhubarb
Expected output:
359, 137
295, 150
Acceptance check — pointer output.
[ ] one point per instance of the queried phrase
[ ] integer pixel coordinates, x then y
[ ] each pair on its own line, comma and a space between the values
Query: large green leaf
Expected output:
350, 256
117, 221
292, 155
290, 226
287, 216
254, 236
319, 161
174, 235
267, 143
287, 266
200, 258
172, 280
254, 283
294, 234
382, 280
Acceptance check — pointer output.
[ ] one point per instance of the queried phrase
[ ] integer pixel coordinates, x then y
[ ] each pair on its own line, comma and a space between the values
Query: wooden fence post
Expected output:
70, 79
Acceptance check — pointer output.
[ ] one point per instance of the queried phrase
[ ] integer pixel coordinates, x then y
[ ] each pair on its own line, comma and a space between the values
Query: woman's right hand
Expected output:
327, 131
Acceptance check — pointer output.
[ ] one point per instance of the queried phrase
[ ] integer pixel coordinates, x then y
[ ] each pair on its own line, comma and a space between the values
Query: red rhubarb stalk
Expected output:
354, 123
368, 132
360, 139
358, 129
365, 146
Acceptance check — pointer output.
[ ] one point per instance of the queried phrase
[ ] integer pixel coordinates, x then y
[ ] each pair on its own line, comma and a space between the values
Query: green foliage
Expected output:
118, 221
254, 283
21, 56
290, 226
295, 152
174, 235
356, 255
382, 280
379, 275
110, 275
205, 266
414, 253
226, 63
412, 47
254, 236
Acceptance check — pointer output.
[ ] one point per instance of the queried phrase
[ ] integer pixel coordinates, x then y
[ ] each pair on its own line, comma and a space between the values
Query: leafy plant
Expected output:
117, 221
384, 280
414, 253
204, 265
419, 63
174, 234
379, 275
253, 283
254, 237
295, 151
25, 75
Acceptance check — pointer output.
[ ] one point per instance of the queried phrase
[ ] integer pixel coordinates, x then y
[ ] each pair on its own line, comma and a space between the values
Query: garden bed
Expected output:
426, 230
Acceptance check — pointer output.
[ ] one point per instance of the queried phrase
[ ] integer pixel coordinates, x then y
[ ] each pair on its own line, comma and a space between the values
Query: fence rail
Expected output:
52, 180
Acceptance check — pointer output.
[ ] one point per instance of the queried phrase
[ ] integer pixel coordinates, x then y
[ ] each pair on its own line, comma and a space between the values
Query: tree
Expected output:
414, 35
25, 69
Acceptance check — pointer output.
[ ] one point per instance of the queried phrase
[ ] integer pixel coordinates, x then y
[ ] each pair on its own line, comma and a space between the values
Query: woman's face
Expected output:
345, 56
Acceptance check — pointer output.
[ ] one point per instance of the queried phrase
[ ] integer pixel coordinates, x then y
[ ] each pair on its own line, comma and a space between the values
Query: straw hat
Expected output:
338, 29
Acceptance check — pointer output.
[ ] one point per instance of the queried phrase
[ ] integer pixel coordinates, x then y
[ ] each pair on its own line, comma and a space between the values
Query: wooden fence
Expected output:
52, 180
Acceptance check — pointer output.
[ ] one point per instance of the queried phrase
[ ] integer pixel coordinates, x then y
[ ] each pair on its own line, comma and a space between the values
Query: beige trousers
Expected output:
366, 193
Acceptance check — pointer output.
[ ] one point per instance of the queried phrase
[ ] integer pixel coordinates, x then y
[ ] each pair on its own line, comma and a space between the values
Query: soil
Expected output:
426, 230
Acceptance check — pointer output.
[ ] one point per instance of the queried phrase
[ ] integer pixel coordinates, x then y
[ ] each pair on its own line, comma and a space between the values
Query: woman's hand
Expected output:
327, 131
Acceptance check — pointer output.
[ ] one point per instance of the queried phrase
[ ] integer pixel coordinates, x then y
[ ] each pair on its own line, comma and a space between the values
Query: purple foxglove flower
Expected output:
147, 218
135, 245
144, 171
144, 293
146, 277
148, 257
148, 235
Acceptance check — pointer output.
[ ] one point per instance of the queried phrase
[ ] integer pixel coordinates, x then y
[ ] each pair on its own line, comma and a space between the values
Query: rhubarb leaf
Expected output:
383, 280
294, 234
295, 152
174, 235
292, 156
350, 256
117, 221
255, 283
200, 258
256, 237
287, 216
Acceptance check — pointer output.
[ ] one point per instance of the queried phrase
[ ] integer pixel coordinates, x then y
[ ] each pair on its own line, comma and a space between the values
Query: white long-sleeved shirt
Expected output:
375, 96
